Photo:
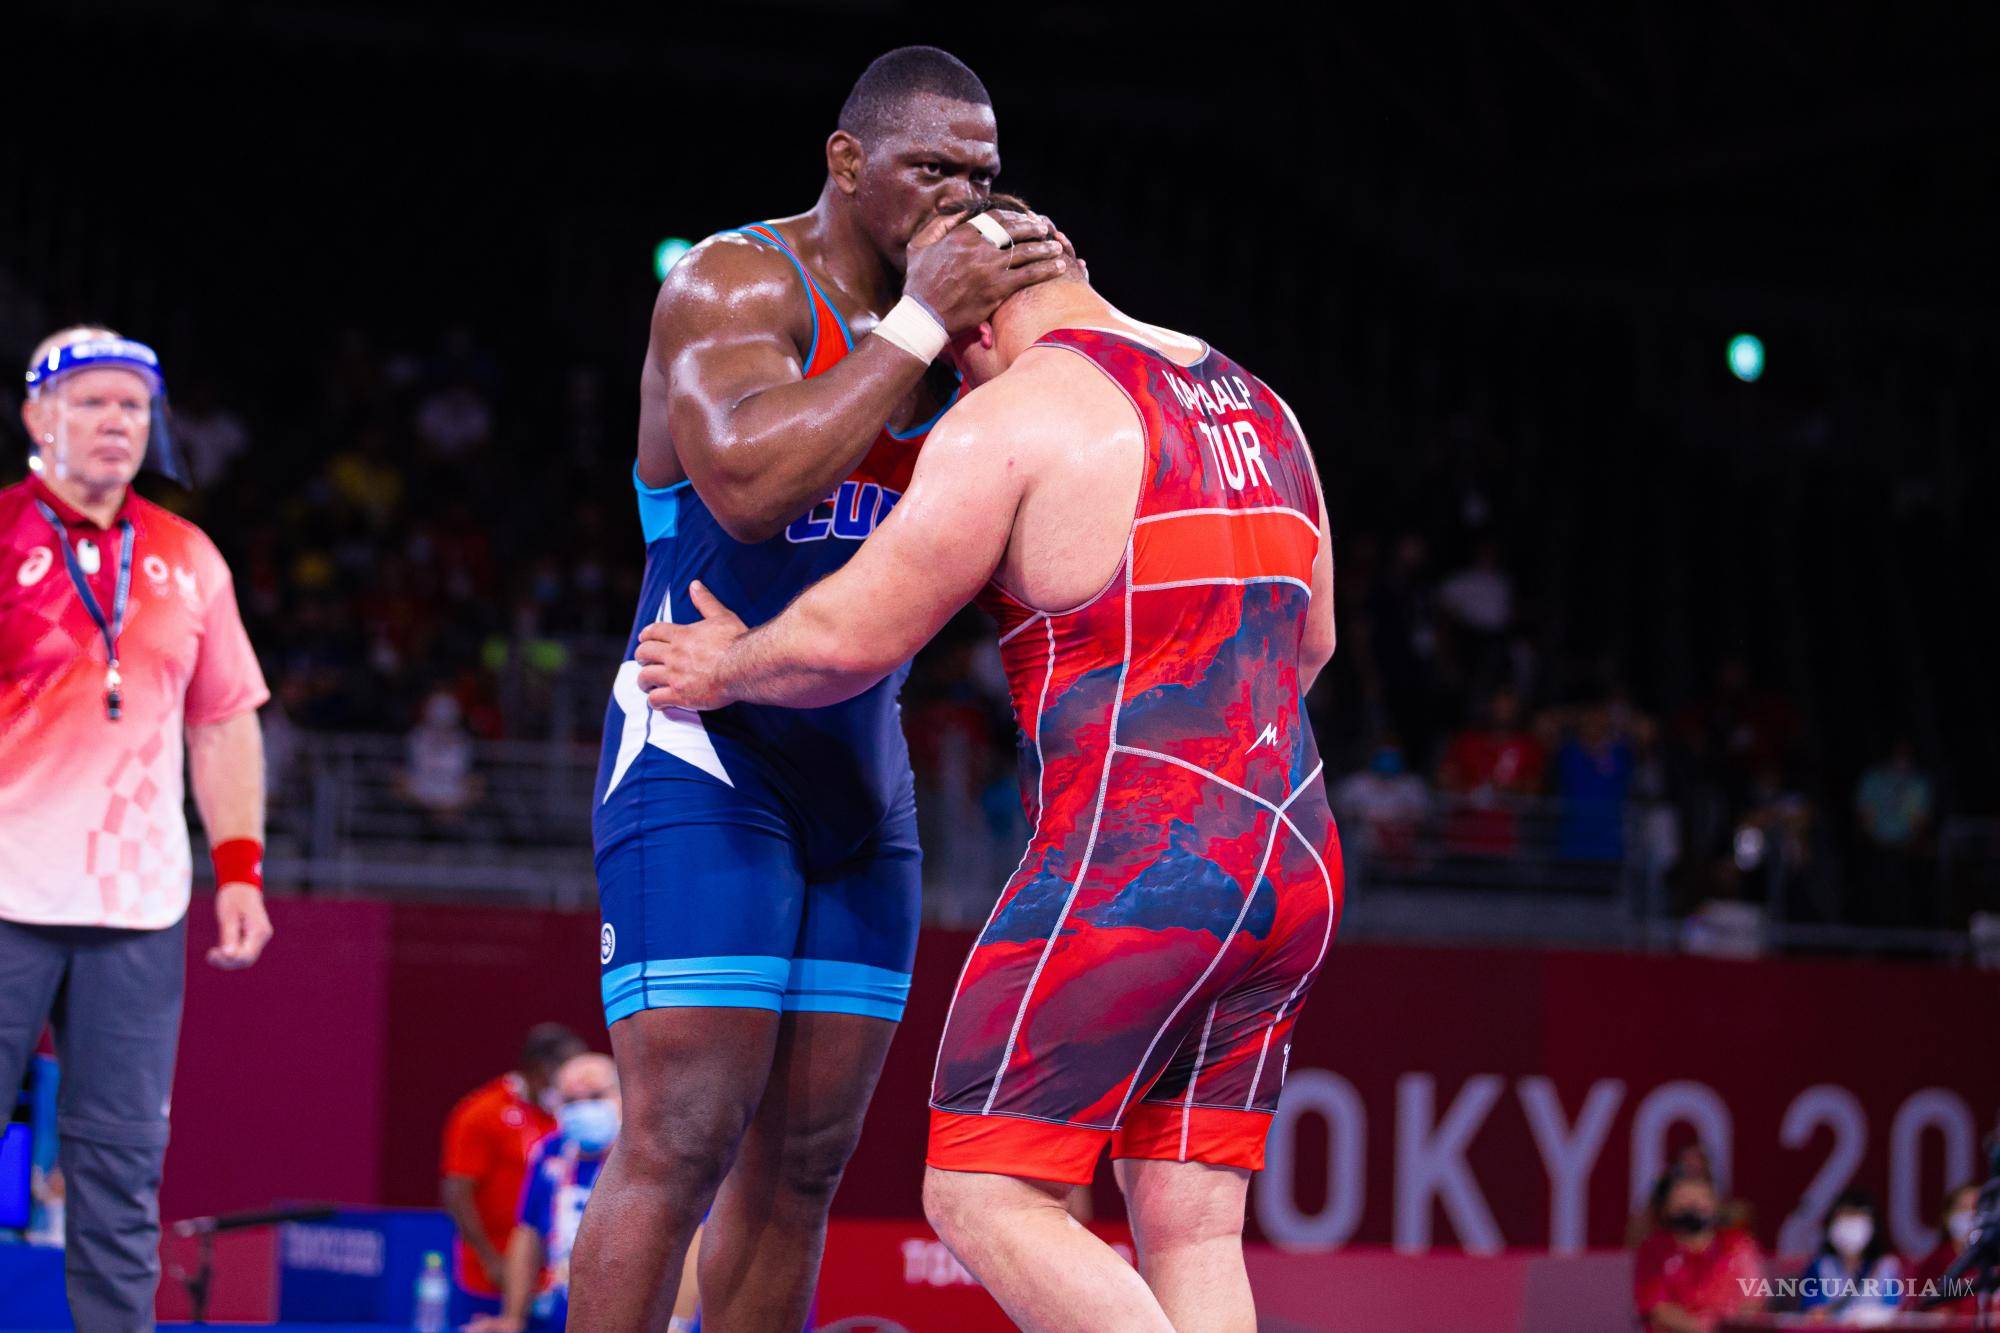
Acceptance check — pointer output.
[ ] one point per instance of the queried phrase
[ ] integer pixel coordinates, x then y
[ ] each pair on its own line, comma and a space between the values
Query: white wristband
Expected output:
913, 328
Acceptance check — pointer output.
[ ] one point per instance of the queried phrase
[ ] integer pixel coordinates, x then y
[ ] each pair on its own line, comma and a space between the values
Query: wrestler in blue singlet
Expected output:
758, 857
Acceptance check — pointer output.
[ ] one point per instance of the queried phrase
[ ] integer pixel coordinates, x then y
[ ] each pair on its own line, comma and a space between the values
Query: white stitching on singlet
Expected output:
1132, 1084
1089, 848
1041, 772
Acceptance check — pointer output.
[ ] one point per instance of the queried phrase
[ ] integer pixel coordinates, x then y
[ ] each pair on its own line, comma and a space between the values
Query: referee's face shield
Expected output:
96, 414
91, 428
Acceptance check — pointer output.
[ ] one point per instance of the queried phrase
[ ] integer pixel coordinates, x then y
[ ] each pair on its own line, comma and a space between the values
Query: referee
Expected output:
119, 634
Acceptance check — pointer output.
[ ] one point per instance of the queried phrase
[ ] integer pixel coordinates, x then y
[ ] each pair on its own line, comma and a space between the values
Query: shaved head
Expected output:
916, 140
880, 99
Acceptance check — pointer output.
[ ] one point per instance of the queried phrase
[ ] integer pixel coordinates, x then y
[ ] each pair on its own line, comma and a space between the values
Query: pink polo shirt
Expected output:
92, 824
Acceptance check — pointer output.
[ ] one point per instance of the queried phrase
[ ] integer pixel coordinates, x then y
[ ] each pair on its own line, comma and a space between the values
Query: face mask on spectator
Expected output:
1959, 1224
1690, 1222
1849, 1236
1388, 761
591, 1125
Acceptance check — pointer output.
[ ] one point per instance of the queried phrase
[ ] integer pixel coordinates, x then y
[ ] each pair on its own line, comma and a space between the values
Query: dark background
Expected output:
1491, 254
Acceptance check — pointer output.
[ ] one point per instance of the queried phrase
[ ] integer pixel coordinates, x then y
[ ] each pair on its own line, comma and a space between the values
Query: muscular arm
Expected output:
723, 399
936, 549
723, 396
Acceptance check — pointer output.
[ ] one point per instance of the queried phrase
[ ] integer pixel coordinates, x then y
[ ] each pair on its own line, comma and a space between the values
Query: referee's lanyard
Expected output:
114, 684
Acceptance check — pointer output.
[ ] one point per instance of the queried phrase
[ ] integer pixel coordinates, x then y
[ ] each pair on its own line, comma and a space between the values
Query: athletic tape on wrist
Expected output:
912, 327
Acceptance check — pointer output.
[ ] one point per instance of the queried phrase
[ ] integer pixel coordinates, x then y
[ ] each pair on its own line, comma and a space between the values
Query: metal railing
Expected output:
1507, 869
349, 813
509, 821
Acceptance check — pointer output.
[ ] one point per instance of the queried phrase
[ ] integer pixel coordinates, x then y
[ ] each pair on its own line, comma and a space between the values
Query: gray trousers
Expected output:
114, 997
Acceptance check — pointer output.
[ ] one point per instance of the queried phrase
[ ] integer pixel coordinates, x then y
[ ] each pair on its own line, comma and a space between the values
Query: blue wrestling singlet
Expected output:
759, 857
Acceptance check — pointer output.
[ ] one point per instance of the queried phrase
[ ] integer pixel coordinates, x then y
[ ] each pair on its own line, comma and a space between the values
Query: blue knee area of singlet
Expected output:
736, 981
725, 981
829, 986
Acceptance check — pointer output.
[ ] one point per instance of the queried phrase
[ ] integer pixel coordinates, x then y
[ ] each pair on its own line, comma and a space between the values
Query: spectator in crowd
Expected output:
1954, 1230
1384, 804
1893, 799
1478, 602
1776, 847
365, 478
1494, 766
1403, 643
562, 1169
1849, 1281
1893, 805
1738, 730
1594, 772
437, 774
1691, 1272
1480, 596
487, 1141
454, 422
208, 435
1690, 1161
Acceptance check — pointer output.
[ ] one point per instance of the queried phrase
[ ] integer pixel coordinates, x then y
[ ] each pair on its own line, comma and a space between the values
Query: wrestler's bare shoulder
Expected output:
731, 276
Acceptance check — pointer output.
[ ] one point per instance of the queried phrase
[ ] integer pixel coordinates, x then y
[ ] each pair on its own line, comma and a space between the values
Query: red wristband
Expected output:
238, 861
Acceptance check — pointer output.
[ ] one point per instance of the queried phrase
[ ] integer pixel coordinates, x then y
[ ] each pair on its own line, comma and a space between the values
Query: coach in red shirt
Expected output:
120, 643
487, 1140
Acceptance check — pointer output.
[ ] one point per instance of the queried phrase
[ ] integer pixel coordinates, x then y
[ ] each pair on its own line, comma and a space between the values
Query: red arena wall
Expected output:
1439, 1098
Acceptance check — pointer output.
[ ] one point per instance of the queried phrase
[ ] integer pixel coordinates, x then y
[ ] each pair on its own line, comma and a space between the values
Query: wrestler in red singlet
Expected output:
1141, 973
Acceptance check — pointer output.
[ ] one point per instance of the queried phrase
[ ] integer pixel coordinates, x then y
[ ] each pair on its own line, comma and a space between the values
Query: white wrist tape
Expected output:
914, 329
